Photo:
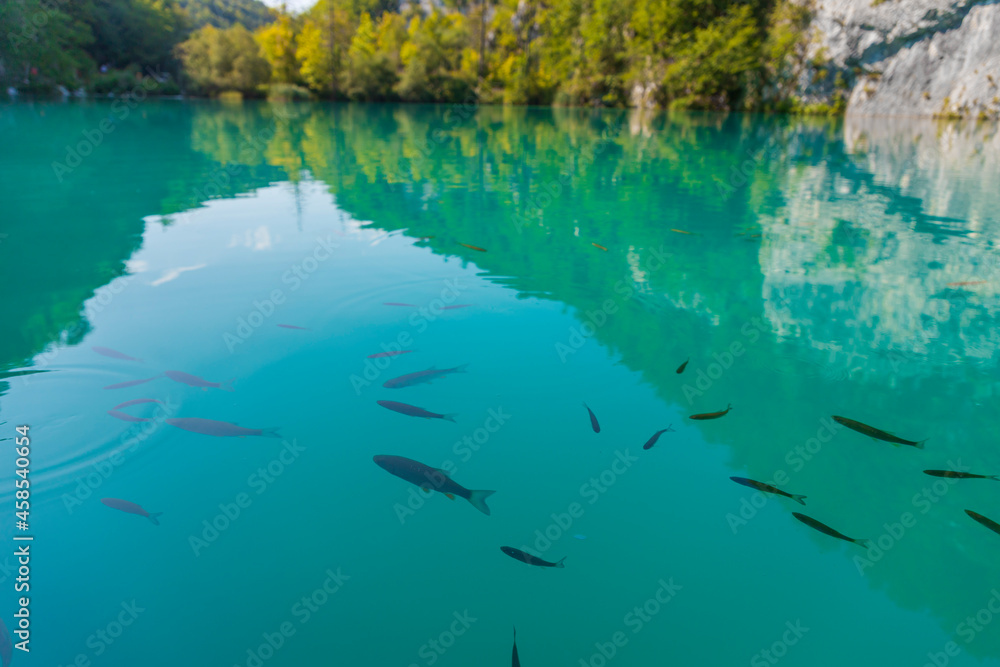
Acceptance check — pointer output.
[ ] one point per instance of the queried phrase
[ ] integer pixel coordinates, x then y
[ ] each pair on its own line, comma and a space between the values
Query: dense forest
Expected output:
676, 54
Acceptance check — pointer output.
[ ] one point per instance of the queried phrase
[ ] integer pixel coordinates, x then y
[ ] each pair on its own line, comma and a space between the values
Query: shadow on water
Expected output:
807, 269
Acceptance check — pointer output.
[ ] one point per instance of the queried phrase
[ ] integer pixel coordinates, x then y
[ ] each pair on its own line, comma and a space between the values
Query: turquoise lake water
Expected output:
802, 268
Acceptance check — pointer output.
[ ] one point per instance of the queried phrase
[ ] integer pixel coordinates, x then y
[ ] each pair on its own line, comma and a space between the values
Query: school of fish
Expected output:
435, 479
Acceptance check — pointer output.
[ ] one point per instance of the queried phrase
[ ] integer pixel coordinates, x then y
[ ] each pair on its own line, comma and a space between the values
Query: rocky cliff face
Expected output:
905, 57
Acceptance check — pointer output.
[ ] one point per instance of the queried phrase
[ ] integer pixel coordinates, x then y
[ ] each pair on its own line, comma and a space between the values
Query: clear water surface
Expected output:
807, 268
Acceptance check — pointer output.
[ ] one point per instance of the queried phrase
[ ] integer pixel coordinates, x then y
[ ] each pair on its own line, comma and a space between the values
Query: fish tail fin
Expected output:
799, 498
920, 444
559, 563
152, 517
227, 385
450, 416
866, 544
460, 369
994, 477
670, 429
270, 432
478, 500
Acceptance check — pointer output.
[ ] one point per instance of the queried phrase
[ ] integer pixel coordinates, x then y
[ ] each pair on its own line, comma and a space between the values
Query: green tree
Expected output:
277, 42
373, 58
322, 47
132, 32
219, 60
432, 59
41, 45
710, 70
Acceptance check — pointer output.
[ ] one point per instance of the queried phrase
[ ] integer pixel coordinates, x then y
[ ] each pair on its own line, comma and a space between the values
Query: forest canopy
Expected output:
678, 54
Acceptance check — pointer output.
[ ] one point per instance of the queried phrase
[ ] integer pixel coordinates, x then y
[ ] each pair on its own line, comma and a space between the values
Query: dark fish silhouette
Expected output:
292, 326
428, 478
413, 411
421, 377
130, 383
396, 303
989, 523
195, 381
876, 433
125, 417
514, 660
457, 305
221, 429
954, 474
598, 245
656, 436
525, 557
135, 401
131, 508
713, 415
473, 247
826, 530
680, 369
767, 488
114, 354
593, 419
379, 355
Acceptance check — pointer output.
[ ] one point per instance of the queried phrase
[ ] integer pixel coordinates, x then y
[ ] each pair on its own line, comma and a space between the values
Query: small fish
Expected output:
580, 537
967, 283
953, 474
292, 326
529, 559
681, 231
428, 478
461, 305
989, 523
135, 401
424, 238
878, 434
195, 381
767, 488
712, 415
125, 417
221, 429
421, 377
131, 508
413, 411
114, 354
656, 436
130, 383
593, 419
680, 369
598, 245
379, 355
514, 660
823, 528
473, 247
396, 303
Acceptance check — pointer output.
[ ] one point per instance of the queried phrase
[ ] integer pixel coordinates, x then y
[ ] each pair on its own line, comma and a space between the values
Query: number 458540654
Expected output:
23, 445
